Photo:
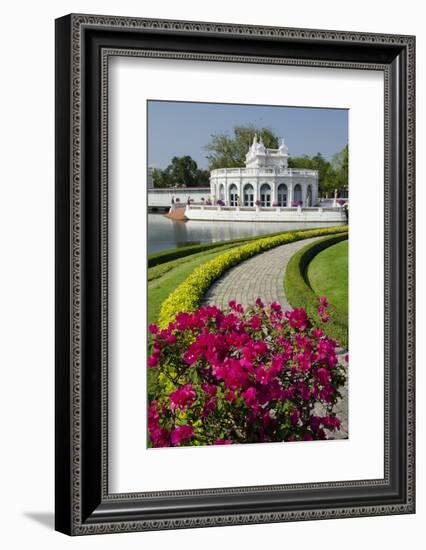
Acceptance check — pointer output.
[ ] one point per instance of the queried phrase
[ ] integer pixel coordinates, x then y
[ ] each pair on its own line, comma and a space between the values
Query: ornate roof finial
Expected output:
255, 139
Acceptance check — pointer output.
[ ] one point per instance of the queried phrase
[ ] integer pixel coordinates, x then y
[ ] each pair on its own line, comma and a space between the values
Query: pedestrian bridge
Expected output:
164, 197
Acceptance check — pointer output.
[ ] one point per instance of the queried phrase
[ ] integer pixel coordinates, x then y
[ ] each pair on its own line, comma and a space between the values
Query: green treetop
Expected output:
230, 152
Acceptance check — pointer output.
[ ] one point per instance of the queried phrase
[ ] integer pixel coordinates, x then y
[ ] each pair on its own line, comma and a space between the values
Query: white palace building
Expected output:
266, 189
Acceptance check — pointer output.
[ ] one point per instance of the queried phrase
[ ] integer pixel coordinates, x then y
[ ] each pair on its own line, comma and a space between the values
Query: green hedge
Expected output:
161, 269
300, 294
168, 255
188, 295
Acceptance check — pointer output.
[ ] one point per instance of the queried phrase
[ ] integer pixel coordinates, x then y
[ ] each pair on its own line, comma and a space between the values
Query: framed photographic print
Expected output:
234, 274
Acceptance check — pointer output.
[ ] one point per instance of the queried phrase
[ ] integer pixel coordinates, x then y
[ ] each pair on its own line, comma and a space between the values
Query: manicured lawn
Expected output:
327, 274
164, 278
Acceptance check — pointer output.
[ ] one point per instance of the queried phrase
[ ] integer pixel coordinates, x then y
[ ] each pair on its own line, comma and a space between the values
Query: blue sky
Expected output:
183, 128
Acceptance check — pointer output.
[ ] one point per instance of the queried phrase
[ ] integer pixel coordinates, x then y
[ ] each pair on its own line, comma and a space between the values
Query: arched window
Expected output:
233, 195
222, 192
282, 194
309, 196
265, 195
297, 193
248, 195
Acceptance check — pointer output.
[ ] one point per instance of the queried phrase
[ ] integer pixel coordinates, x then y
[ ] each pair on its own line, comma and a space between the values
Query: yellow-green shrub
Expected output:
188, 295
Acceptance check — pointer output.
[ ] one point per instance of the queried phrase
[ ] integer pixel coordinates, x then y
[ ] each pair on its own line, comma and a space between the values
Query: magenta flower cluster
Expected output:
243, 375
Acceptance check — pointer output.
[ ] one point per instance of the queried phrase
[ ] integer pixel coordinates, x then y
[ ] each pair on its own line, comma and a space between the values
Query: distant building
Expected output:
266, 180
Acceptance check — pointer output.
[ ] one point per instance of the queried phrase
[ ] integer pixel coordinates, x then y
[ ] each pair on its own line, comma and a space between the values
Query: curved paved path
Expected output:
259, 277
263, 276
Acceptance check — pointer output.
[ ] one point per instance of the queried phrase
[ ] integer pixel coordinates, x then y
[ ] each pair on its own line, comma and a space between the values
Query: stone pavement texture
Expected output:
263, 277
259, 277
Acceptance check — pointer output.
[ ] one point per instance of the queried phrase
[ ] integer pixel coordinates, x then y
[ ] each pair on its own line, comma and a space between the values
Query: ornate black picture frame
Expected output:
83, 45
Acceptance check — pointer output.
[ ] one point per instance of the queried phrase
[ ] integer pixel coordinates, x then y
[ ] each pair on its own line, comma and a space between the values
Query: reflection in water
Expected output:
164, 233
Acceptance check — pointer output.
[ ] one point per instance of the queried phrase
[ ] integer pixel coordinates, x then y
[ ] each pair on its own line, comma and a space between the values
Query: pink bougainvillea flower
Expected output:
326, 394
236, 307
317, 333
211, 389
297, 319
315, 422
260, 347
209, 407
154, 359
323, 376
160, 437
249, 397
323, 301
183, 397
229, 321
181, 434
255, 323
321, 434
191, 356
325, 318
304, 391
230, 396
240, 376
294, 416
331, 422
153, 329
347, 357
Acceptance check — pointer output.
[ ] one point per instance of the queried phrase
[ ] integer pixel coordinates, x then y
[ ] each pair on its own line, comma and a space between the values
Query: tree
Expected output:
184, 171
331, 175
230, 152
203, 178
161, 178
181, 171
340, 163
317, 162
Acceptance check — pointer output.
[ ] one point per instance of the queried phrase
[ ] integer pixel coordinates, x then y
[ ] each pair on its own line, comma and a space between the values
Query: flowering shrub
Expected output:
258, 202
188, 295
220, 202
243, 376
297, 203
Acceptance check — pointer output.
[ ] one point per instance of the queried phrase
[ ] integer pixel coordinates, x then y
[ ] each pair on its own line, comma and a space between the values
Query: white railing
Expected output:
259, 172
165, 196
179, 190
262, 208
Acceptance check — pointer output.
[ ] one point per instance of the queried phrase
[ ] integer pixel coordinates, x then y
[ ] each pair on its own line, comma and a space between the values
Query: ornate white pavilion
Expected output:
266, 190
266, 181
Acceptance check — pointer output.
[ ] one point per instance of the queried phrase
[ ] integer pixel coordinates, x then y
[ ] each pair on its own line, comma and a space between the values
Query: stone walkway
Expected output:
263, 277
342, 407
259, 277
